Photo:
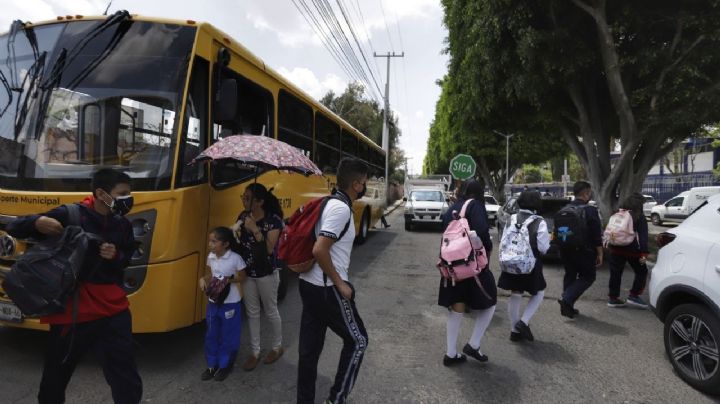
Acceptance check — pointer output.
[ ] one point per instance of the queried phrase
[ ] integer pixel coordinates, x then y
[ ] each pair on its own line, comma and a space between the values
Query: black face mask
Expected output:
120, 205
362, 193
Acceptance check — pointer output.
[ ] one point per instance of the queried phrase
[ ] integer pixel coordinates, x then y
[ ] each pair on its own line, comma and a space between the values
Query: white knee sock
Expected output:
453, 330
532, 306
482, 321
514, 310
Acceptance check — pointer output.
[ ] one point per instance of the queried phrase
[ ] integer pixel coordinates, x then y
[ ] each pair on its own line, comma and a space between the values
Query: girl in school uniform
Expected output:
533, 283
224, 315
480, 298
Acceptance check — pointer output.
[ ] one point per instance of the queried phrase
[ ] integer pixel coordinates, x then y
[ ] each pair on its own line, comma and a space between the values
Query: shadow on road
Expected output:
599, 327
489, 382
546, 352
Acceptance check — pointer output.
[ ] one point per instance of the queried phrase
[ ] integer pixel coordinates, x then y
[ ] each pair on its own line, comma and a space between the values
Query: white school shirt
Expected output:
543, 236
227, 265
332, 222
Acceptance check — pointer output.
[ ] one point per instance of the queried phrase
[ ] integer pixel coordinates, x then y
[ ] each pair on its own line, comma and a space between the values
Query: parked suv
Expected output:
685, 295
491, 207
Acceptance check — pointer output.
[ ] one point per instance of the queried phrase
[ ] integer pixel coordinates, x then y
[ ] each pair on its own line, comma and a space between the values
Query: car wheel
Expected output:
692, 338
656, 219
408, 225
364, 228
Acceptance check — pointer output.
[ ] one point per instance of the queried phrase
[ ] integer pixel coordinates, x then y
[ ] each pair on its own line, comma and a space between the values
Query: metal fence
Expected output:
664, 187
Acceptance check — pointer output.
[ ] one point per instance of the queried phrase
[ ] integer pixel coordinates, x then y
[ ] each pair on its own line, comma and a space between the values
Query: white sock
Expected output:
532, 306
514, 310
482, 321
453, 331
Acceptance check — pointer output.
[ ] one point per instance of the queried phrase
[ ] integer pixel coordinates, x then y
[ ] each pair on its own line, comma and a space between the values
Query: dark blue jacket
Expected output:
477, 219
112, 229
594, 225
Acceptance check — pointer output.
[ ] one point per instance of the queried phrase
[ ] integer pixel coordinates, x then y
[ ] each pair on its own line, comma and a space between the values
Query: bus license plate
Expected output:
10, 312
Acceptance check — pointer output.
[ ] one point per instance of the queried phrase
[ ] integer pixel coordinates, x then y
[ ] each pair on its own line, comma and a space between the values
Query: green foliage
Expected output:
589, 72
366, 116
530, 173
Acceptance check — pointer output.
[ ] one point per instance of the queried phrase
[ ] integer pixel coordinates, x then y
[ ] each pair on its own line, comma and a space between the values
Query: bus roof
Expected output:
237, 47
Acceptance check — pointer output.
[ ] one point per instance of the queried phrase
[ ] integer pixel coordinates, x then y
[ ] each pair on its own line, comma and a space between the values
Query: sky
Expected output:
275, 31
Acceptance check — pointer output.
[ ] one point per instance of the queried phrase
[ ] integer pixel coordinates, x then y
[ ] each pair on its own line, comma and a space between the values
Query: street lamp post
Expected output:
507, 154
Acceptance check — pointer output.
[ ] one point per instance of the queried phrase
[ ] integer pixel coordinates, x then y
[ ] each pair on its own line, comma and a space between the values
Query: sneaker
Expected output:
637, 302
208, 374
515, 336
615, 302
567, 310
459, 358
475, 353
222, 374
273, 355
524, 330
251, 363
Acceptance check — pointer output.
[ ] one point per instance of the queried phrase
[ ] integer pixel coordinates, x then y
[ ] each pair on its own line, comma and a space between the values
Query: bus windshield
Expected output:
78, 95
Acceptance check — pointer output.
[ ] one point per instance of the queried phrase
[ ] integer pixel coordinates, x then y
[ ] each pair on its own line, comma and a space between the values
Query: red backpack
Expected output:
297, 238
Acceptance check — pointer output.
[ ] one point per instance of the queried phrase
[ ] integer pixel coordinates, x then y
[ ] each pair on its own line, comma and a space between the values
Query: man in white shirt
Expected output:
328, 298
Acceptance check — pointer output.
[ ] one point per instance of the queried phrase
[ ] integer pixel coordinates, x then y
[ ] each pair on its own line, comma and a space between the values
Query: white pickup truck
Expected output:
679, 207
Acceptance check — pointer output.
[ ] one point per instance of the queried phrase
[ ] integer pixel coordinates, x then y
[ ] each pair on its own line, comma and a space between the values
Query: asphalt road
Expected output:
604, 356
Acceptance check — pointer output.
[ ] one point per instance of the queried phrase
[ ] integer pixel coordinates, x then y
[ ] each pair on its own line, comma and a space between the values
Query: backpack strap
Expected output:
344, 230
73, 214
464, 208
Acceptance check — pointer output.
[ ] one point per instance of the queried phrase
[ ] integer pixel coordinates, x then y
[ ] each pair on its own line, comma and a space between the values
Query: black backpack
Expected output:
43, 279
570, 232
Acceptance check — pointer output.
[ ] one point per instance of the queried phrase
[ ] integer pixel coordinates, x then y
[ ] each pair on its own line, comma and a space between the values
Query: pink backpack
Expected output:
462, 254
619, 230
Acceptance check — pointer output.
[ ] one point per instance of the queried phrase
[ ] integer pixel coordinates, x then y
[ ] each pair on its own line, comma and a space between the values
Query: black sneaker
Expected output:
469, 351
515, 336
524, 330
567, 310
222, 374
208, 374
615, 302
459, 358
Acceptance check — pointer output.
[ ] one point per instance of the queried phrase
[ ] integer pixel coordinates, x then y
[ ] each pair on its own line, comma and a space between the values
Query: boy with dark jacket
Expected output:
103, 315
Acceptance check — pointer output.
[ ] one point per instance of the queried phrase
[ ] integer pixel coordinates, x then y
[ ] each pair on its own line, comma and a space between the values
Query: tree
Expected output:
642, 74
459, 128
367, 117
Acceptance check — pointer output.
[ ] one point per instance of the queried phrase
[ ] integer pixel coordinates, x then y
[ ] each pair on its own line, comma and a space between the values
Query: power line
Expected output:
352, 31
387, 28
367, 33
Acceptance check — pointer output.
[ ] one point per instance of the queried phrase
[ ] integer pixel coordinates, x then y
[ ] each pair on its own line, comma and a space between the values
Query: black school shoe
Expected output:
448, 361
524, 330
208, 374
469, 351
567, 310
222, 374
515, 336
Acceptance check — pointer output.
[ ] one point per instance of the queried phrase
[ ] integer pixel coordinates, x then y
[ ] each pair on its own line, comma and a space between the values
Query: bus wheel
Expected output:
361, 237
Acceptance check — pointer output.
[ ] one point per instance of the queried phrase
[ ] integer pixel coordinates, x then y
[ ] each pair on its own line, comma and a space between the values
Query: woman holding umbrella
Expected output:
258, 229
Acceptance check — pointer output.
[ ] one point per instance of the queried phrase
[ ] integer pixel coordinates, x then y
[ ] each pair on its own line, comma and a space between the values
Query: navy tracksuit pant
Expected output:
579, 273
112, 338
324, 307
222, 339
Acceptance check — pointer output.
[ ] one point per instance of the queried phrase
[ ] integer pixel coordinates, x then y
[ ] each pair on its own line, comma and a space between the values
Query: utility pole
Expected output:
507, 154
386, 128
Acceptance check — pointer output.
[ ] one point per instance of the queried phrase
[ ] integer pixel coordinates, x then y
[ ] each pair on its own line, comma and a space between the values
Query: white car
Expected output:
648, 203
424, 206
685, 295
492, 207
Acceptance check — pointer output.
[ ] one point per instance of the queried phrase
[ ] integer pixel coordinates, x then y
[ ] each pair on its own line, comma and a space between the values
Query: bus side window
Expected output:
254, 109
295, 120
327, 144
349, 144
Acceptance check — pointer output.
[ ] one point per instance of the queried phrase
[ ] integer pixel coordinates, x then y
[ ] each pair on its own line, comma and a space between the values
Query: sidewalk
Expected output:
392, 207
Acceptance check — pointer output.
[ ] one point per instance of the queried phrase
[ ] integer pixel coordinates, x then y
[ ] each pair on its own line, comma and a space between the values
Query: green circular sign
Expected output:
462, 167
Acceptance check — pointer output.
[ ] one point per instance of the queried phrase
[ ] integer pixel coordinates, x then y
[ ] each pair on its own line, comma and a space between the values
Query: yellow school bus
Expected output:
147, 95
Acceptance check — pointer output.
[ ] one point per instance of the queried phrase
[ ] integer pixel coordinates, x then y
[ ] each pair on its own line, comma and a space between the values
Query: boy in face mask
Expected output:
103, 315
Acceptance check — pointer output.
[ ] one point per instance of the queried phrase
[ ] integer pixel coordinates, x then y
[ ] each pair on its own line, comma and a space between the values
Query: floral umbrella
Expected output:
261, 151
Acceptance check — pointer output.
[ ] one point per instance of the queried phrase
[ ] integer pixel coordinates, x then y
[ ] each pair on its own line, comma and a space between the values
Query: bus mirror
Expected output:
404, 199
226, 101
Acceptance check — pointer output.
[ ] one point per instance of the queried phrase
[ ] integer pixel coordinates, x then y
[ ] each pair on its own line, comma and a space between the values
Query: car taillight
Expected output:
664, 239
